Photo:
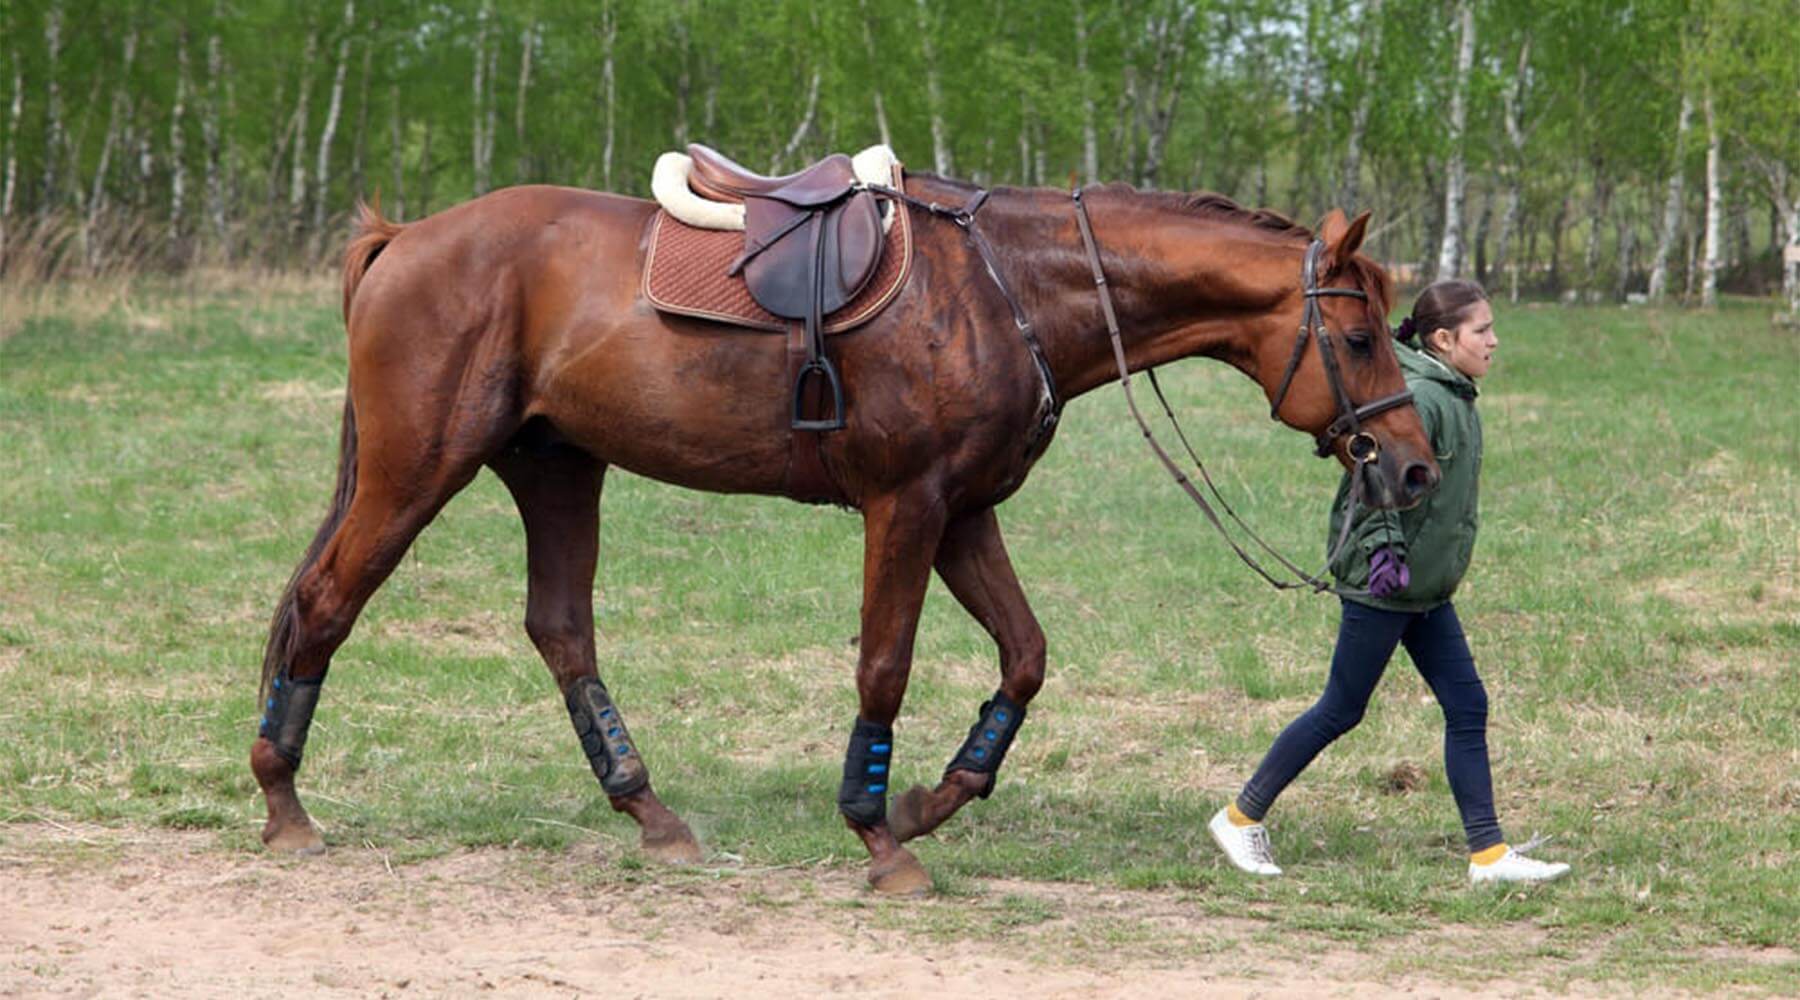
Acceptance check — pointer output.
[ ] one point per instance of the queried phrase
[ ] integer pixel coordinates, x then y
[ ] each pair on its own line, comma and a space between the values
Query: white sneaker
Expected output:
1246, 846
1515, 867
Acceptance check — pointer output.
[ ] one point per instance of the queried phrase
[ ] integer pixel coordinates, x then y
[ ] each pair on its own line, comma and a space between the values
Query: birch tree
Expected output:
940, 133
1715, 207
1450, 250
1671, 213
329, 132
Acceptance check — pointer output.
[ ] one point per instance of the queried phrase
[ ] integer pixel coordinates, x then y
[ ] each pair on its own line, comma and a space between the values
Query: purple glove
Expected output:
1388, 574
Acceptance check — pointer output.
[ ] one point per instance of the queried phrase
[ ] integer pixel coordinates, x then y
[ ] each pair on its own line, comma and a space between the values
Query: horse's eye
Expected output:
1360, 342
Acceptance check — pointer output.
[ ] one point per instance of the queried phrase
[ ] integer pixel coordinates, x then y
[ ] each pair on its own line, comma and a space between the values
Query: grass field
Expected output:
1634, 608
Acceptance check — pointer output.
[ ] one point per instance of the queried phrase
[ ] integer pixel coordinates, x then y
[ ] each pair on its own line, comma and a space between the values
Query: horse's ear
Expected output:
1342, 238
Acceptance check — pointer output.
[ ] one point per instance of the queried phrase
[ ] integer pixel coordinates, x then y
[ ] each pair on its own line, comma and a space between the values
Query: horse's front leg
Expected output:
900, 534
972, 562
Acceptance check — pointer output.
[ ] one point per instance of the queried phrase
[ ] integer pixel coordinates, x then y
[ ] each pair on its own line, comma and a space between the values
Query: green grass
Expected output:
1634, 608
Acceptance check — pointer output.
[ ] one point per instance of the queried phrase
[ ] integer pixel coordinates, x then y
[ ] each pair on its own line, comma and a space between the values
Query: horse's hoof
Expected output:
900, 874
300, 838
906, 814
672, 847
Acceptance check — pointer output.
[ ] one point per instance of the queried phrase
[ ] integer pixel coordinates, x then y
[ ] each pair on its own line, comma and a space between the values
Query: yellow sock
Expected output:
1489, 855
1237, 817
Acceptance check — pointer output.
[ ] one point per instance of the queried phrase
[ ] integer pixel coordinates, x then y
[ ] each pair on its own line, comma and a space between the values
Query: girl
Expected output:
1409, 563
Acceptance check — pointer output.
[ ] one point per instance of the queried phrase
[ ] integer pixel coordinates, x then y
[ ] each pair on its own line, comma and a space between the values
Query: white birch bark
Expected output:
212, 132
609, 33
1715, 208
396, 163
115, 126
15, 112
178, 145
490, 123
322, 174
1671, 214
1173, 31
297, 175
1368, 61
881, 120
684, 78
1090, 139
360, 134
9, 184
527, 43
1513, 100
56, 131
480, 102
940, 134
1450, 250
800, 130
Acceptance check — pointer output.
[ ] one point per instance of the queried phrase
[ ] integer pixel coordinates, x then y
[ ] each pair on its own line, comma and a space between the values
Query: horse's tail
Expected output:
372, 235
282, 631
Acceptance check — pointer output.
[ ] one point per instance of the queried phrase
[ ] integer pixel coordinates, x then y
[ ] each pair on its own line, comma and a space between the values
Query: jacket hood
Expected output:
1418, 363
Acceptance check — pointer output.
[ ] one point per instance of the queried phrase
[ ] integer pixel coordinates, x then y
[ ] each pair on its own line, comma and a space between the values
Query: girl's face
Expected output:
1470, 347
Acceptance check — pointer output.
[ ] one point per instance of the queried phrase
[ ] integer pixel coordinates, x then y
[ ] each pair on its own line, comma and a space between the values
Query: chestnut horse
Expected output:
510, 332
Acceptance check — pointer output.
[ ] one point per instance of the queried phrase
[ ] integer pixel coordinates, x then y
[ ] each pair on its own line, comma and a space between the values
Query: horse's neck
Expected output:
1182, 286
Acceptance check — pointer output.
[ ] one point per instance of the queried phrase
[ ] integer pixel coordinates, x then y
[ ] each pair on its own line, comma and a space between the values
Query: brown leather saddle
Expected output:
812, 241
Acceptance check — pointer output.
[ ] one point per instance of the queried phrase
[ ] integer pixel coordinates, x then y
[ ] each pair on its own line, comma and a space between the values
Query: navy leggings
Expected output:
1366, 640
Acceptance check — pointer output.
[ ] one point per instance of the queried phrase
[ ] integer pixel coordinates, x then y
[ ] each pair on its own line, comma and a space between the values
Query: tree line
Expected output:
1592, 148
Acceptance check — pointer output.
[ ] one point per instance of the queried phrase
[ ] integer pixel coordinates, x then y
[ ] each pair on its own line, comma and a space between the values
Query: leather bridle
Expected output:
1362, 446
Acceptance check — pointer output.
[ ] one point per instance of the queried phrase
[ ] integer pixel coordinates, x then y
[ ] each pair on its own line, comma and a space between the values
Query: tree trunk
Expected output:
55, 129
480, 103
1368, 62
1513, 101
1715, 209
178, 152
396, 162
1171, 62
212, 132
10, 182
323, 172
940, 134
297, 176
1450, 250
521, 163
868, 34
1483, 224
1090, 139
1790, 269
805, 126
609, 33
360, 141
1627, 229
1671, 215
683, 77
115, 125
1590, 262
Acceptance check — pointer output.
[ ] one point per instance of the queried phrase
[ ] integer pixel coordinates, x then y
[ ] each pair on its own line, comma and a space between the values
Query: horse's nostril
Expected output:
1420, 479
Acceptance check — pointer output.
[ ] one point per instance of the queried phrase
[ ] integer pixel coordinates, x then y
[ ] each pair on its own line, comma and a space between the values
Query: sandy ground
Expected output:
102, 912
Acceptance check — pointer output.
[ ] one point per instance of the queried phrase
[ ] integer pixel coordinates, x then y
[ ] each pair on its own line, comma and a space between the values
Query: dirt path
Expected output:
103, 912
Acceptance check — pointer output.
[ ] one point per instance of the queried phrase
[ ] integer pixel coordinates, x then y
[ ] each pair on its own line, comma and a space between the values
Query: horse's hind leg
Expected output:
557, 489
972, 562
372, 522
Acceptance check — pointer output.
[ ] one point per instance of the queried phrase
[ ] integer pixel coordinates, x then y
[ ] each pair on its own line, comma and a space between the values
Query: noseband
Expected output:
1362, 445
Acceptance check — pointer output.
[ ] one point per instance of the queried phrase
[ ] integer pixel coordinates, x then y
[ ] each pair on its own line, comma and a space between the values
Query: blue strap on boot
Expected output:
604, 739
985, 749
862, 797
287, 714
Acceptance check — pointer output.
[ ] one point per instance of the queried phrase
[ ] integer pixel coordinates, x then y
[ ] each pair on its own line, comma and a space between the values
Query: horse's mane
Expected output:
1208, 205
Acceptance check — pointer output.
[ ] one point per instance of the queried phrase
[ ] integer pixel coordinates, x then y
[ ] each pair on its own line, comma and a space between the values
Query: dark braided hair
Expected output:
1443, 304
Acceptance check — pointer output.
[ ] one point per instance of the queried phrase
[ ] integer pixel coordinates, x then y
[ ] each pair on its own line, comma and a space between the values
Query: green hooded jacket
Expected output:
1437, 537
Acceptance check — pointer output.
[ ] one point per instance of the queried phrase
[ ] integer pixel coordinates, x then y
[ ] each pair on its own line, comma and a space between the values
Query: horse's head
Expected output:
1338, 377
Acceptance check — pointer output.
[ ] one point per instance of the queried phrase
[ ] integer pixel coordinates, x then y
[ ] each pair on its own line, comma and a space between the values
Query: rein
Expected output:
1362, 447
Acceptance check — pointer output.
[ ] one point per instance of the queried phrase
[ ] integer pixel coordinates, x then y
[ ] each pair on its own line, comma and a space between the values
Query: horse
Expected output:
510, 332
